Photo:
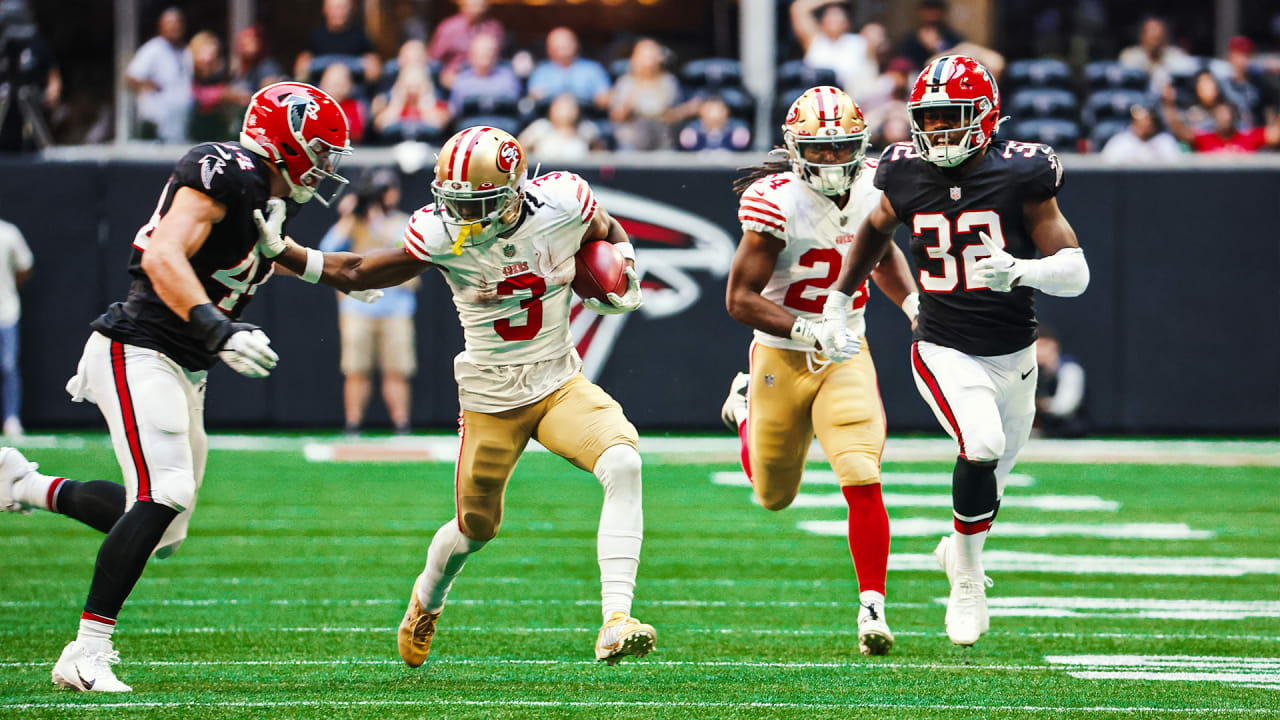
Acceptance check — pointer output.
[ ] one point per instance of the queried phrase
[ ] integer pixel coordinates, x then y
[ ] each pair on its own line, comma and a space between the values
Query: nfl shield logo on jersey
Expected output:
955, 192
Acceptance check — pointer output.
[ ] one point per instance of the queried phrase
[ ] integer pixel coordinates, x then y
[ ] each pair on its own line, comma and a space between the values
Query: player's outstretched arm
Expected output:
753, 265
1062, 271
893, 277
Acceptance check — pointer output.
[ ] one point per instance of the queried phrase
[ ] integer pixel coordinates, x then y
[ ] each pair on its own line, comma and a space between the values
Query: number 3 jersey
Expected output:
816, 235
512, 294
227, 265
944, 213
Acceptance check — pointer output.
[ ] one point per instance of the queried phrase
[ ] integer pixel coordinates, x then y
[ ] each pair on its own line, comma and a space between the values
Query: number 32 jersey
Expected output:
944, 214
816, 235
512, 294
227, 265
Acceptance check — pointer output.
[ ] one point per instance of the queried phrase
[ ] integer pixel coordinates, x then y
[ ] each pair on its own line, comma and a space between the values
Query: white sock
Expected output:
446, 556
867, 597
621, 528
95, 635
33, 490
969, 553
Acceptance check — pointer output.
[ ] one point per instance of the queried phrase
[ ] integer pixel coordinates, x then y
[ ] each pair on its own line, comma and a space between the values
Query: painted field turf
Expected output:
284, 602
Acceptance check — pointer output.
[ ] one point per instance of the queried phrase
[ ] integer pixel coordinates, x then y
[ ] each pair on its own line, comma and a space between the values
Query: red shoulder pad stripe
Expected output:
761, 221
756, 198
748, 206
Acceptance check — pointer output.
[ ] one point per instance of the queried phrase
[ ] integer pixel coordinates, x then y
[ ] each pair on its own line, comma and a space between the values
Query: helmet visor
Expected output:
464, 209
325, 159
944, 133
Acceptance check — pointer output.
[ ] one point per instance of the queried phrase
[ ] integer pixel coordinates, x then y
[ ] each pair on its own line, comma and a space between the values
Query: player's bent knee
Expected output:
478, 526
857, 470
176, 493
984, 446
619, 469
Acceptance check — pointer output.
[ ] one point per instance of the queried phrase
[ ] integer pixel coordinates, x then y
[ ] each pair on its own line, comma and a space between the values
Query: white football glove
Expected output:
999, 272
365, 296
834, 340
271, 228
619, 304
249, 353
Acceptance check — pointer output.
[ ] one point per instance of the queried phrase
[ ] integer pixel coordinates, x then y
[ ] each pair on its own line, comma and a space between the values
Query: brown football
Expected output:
600, 270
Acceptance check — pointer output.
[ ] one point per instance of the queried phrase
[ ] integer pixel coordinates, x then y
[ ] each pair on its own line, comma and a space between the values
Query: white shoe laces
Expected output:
970, 590
104, 659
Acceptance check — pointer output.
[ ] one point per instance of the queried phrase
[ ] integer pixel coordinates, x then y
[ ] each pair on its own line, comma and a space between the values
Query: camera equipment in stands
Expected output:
21, 80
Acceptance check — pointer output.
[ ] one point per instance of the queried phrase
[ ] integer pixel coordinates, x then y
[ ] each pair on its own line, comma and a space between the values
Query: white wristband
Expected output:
911, 306
315, 266
803, 331
626, 250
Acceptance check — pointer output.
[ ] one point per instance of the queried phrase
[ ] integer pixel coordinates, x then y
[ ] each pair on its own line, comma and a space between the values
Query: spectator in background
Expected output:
341, 34
451, 42
565, 72
210, 115
1226, 136
1142, 142
160, 73
1208, 95
931, 36
714, 129
1059, 389
483, 76
252, 68
889, 96
380, 333
411, 108
644, 101
1154, 55
336, 81
1247, 84
15, 270
825, 34
562, 135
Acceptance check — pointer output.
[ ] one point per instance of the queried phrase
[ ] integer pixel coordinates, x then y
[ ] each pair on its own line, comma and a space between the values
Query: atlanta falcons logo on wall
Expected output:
670, 243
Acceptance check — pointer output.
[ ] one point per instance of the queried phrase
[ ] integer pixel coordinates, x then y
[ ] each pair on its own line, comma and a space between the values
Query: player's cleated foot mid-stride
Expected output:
874, 636
967, 617
416, 631
88, 669
736, 404
623, 635
13, 467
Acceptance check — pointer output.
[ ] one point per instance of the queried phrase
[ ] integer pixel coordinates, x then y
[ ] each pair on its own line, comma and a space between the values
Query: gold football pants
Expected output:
578, 422
790, 398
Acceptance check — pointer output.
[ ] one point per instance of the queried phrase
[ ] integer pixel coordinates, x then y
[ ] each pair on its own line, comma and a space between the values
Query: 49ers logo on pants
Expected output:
508, 156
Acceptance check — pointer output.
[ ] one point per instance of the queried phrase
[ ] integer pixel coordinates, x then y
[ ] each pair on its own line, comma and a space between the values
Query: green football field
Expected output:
1120, 591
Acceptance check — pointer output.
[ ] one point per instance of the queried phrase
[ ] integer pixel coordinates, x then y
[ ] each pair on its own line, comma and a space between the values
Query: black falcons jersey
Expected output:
945, 212
228, 264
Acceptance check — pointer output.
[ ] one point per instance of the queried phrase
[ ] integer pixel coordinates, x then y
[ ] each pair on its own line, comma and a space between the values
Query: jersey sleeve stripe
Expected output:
591, 214
762, 201
415, 244
745, 218
750, 207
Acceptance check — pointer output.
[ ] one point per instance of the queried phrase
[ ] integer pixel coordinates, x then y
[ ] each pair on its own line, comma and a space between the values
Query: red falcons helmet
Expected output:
961, 83
304, 132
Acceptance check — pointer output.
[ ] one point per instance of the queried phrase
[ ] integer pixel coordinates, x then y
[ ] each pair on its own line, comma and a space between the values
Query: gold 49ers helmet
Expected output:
826, 138
480, 175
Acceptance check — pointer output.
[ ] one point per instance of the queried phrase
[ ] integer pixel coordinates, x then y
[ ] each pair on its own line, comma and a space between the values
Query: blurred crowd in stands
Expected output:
1151, 102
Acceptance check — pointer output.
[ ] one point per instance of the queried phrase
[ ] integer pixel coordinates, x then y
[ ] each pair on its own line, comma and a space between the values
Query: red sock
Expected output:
746, 456
868, 535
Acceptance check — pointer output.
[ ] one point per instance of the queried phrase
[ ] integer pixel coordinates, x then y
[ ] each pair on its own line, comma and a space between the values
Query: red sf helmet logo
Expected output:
794, 113
508, 156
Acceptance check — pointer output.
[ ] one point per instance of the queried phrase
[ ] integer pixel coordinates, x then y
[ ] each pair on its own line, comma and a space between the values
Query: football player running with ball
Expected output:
797, 219
505, 245
978, 213
195, 266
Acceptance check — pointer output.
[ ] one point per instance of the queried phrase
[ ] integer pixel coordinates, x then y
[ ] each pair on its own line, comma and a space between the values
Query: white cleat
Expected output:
874, 637
78, 669
967, 617
13, 467
735, 406
624, 635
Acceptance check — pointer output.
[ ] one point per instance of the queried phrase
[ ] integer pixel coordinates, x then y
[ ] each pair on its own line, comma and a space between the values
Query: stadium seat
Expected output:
1111, 104
618, 68
1104, 131
712, 73
795, 74
607, 135
1061, 134
400, 132
1043, 102
488, 105
741, 104
1104, 74
735, 126
510, 123
1038, 72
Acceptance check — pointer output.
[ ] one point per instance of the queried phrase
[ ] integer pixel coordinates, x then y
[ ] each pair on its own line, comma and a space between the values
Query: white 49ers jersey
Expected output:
512, 294
817, 235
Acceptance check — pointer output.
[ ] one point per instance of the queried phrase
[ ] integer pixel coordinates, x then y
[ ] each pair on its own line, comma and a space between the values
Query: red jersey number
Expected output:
830, 257
532, 307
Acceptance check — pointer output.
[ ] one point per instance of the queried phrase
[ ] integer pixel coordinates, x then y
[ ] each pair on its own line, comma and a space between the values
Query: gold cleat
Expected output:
416, 630
624, 635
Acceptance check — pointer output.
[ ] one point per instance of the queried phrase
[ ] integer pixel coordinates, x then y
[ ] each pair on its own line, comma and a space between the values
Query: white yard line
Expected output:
933, 527
888, 479
1072, 503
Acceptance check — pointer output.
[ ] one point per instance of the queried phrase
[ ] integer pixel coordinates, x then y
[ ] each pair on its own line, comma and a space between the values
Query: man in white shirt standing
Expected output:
1142, 142
826, 35
15, 269
161, 73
